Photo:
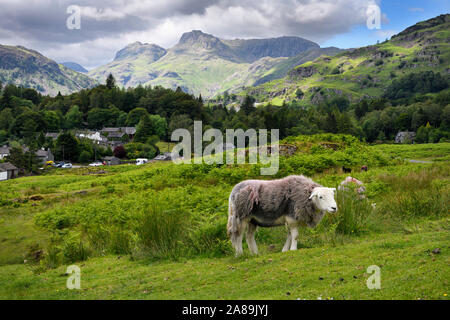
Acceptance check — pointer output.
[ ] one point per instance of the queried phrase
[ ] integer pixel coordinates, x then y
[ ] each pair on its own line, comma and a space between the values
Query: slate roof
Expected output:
8, 166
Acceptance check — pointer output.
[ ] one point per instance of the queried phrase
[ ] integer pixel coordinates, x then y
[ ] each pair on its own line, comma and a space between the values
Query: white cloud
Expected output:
109, 25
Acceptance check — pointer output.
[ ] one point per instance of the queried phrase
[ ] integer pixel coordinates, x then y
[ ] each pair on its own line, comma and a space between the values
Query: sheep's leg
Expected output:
287, 245
294, 235
237, 238
251, 238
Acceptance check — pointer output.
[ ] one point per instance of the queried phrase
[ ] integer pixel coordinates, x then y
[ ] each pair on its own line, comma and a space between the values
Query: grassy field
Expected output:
119, 227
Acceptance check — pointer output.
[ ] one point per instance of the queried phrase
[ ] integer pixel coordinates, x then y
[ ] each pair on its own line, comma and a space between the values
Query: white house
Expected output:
4, 152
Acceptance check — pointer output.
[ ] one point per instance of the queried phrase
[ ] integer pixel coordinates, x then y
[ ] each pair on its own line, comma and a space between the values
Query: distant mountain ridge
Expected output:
201, 63
29, 68
74, 66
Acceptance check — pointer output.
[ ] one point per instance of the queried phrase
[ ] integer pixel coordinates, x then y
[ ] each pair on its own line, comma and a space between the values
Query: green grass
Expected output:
105, 223
408, 271
432, 152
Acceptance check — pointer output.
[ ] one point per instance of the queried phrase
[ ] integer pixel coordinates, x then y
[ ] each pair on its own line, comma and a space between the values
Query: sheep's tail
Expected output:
233, 223
240, 205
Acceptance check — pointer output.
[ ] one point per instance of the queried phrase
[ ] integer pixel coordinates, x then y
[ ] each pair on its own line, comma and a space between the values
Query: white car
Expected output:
140, 161
67, 166
95, 164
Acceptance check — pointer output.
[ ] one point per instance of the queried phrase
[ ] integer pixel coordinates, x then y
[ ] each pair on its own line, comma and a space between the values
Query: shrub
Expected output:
120, 152
84, 157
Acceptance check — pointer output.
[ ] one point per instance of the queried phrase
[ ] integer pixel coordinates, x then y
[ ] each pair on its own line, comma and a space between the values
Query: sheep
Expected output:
292, 201
346, 170
350, 181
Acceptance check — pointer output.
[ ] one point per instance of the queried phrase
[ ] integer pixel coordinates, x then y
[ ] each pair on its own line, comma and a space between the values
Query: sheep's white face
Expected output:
323, 199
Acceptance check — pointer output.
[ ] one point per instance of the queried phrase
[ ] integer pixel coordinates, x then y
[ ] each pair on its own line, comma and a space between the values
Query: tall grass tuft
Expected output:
433, 202
418, 194
351, 218
162, 230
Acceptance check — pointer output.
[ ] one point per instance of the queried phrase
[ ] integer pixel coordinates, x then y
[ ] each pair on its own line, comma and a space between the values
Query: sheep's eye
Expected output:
320, 197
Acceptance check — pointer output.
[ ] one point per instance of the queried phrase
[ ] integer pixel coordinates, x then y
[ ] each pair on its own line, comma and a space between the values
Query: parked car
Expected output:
140, 161
67, 166
167, 156
59, 164
95, 164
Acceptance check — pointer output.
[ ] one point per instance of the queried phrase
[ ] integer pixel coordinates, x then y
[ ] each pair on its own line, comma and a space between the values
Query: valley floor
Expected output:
407, 236
409, 270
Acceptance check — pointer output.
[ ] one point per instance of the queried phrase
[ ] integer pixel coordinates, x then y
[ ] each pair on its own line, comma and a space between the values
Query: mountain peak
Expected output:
137, 48
199, 38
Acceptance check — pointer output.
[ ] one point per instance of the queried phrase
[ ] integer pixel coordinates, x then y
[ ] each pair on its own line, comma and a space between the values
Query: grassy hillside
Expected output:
366, 71
29, 68
105, 223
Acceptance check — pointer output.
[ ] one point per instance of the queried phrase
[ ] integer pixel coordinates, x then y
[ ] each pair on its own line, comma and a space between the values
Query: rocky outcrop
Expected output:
302, 72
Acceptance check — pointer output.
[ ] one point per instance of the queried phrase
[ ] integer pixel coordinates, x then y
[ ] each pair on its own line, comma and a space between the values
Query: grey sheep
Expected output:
292, 201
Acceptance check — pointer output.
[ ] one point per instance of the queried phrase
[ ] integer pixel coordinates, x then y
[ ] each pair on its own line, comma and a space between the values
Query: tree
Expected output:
120, 152
32, 95
97, 118
6, 100
110, 81
248, 106
29, 133
6, 119
422, 135
159, 126
67, 147
144, 129
53, 120
84, 157
73, 118
135, 116
3, 136
25, 161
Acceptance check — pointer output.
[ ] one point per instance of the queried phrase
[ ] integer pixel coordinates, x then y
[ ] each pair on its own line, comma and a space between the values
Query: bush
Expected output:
84, 157
120, 152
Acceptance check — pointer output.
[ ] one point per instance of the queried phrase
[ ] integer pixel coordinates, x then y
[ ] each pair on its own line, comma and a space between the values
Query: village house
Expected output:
53, 135
119, 132
111, 161
4, 152
405, 136
94, 136
8, 171
45, 155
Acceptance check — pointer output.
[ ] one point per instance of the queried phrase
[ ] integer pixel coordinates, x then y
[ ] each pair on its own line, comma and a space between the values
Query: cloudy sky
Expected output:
106, 26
